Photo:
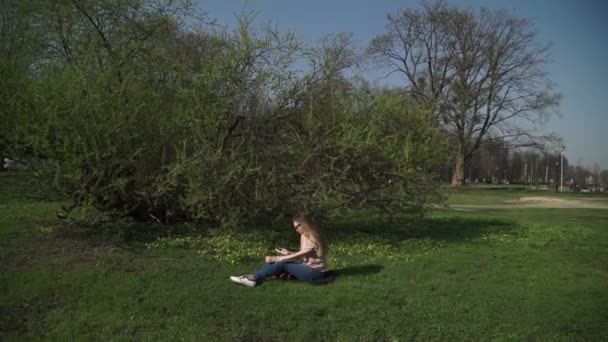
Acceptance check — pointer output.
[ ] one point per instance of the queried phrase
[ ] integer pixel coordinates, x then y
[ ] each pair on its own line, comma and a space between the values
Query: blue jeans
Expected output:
301, 272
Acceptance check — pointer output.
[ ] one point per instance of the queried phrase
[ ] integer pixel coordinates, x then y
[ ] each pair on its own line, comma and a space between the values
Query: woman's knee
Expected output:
301, 272
279, 265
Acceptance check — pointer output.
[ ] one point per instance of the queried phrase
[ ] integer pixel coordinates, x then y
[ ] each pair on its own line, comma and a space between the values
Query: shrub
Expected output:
139, 116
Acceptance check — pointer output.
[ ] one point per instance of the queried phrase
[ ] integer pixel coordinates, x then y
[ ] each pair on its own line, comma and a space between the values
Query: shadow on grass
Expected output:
21, 186
357, 270
448, 229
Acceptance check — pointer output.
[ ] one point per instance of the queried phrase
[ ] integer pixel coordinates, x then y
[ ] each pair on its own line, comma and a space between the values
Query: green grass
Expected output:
525, 274
499, 195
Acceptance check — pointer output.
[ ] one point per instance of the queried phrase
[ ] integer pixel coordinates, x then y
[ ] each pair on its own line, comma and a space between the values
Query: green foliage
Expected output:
241, 247
222, 246
233, 248
374, 249
175, 242
139, 116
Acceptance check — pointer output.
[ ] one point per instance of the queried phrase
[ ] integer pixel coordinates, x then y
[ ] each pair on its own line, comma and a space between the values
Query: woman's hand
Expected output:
282, 251
271, 259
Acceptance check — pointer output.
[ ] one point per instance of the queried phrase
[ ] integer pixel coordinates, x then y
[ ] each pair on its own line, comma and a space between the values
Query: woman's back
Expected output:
314, 260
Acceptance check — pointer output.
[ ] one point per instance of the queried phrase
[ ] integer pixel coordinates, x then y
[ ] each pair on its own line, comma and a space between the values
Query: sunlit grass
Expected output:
524, 274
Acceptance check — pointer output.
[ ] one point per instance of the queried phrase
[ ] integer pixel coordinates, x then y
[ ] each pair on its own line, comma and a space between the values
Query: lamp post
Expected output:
555, 178
561, 177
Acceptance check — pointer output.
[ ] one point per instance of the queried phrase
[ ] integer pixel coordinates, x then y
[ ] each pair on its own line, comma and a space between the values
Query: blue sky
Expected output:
575, 28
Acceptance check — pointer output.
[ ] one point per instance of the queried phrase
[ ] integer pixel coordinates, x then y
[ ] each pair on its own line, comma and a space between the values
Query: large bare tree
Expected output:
482, 73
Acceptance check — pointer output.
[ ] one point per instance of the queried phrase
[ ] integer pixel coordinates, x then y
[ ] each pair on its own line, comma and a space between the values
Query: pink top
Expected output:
312, 261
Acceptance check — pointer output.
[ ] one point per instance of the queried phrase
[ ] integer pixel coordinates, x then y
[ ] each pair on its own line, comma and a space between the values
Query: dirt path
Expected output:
542, 202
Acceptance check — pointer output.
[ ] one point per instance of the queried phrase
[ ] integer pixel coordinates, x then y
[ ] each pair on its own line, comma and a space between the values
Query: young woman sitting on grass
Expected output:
312, 254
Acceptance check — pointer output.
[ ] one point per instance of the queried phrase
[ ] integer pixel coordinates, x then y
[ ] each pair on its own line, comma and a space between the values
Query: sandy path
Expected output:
543, 202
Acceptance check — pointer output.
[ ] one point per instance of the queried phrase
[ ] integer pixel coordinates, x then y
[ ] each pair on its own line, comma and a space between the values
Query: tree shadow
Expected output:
356, 270
356, 229
331, 275
447, 229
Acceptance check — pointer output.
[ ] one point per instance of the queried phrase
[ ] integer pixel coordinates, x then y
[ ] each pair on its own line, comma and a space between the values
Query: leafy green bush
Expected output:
139, 116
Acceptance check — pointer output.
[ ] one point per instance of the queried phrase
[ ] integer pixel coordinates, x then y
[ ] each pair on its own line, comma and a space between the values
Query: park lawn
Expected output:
538, 274
474, 195
471, 195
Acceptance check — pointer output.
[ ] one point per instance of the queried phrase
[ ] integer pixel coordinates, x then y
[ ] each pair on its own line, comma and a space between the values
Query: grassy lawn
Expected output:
499, 195
521, 274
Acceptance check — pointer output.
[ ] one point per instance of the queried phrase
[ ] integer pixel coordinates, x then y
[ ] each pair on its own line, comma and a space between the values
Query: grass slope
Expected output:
536, 274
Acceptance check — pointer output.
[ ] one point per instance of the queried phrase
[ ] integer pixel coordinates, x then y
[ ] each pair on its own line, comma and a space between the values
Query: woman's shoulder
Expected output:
306, 242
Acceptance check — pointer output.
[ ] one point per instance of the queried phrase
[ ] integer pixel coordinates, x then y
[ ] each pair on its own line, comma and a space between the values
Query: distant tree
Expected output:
604, 179
19, 44
580, 174
517, 166
596, 174
482, 74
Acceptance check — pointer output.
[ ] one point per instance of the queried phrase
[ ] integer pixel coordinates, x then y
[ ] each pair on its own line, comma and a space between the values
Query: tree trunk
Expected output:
2, 163
458, 174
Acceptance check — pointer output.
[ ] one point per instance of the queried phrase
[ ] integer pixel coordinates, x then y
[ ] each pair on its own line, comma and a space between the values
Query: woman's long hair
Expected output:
312, 232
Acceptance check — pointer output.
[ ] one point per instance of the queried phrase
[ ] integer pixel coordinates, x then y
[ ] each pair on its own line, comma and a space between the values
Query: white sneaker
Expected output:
243, 280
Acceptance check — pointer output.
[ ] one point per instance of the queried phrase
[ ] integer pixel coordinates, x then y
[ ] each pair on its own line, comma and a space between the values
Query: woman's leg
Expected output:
268, 271
303, 272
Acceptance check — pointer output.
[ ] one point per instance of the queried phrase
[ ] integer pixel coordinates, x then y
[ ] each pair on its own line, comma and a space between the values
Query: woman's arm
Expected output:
297, 255
283, 251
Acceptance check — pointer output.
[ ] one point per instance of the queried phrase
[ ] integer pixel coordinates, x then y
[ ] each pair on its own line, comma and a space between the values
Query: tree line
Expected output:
151, 110
498, 164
